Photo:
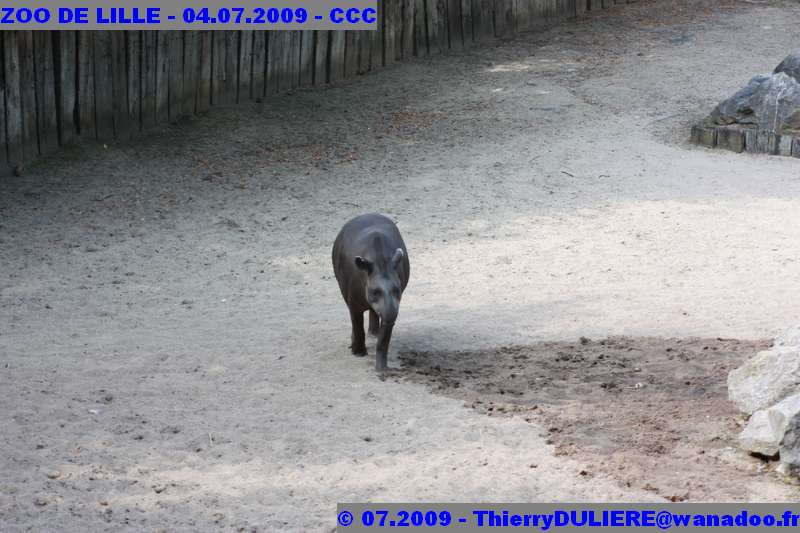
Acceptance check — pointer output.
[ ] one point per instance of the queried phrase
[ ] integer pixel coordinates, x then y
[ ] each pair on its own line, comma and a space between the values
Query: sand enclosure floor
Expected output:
173, 346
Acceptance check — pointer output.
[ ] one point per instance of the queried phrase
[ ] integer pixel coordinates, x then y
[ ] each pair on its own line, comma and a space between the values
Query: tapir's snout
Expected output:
389, 312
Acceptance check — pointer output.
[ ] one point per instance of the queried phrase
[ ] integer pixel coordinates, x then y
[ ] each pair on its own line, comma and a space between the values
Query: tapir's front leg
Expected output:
358, 345
382, 350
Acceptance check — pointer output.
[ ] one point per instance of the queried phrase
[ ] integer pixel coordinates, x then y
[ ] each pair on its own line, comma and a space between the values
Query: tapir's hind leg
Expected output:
374, 322
358, 346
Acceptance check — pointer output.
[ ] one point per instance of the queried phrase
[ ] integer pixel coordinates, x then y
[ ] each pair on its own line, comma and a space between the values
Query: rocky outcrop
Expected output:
766, 379
790, 66
790, 447
765, 431
768, 388
763, 117
769, 103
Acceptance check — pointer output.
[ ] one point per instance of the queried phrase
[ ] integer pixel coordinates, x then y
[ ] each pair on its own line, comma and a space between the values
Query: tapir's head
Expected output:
383, 285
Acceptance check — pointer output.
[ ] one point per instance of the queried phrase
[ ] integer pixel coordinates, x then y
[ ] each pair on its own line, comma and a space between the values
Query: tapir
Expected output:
370, 262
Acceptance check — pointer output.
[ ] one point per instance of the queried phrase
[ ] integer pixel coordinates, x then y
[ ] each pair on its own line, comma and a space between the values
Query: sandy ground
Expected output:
173, 346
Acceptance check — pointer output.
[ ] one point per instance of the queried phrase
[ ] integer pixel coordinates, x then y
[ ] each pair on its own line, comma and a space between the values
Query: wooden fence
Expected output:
57, 86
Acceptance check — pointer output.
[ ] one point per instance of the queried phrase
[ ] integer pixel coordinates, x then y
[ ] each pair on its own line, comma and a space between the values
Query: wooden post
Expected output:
13, 116
467, 22
30, 140
119, 90
218, 67
407, 39
389, 27
454, 24
522, 15
103, 99
206, 53
191, 70
46, 113
231, 66
421, 47
149, 69
307, 58
259, 64
245, 66
337, 57
351, 54
293, 60
274, 54
3, 120
504, 17
364, 45
486, 20
162, 76
175, 75
376, 36
135, 80
321, 58
66, 88
432, 24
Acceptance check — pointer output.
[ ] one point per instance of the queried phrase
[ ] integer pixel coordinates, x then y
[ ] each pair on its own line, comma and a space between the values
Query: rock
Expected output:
780, 110
53, 474
790, 337
790, 447
766, 379
740, 108
771, 103
766, 428
790, 65
763, 434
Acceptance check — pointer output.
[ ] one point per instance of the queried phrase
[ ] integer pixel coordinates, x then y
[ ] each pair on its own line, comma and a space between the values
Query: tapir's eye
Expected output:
376, 293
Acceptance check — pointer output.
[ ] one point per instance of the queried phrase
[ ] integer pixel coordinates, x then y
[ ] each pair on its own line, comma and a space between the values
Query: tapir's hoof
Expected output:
359, 352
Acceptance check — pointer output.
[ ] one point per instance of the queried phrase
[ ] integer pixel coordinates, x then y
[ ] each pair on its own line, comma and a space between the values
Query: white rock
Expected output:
790, 444
766, 428
790, 337
763, 433
766, 379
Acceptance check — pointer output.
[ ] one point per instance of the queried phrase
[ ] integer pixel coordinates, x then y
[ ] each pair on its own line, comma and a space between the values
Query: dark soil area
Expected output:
650, 412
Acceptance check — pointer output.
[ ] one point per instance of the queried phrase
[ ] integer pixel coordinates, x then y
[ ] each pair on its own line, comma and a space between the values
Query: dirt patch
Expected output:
651, 412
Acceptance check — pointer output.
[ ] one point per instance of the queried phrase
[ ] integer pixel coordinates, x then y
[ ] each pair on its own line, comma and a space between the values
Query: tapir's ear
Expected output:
363, 264
397, 257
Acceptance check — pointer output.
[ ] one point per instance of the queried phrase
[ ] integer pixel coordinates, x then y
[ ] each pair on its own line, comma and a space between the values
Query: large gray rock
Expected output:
790, 447
766, 379
790, 65
771, 103
766, 428
741, 107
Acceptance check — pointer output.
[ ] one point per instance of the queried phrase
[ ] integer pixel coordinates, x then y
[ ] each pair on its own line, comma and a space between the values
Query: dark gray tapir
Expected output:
370, 262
